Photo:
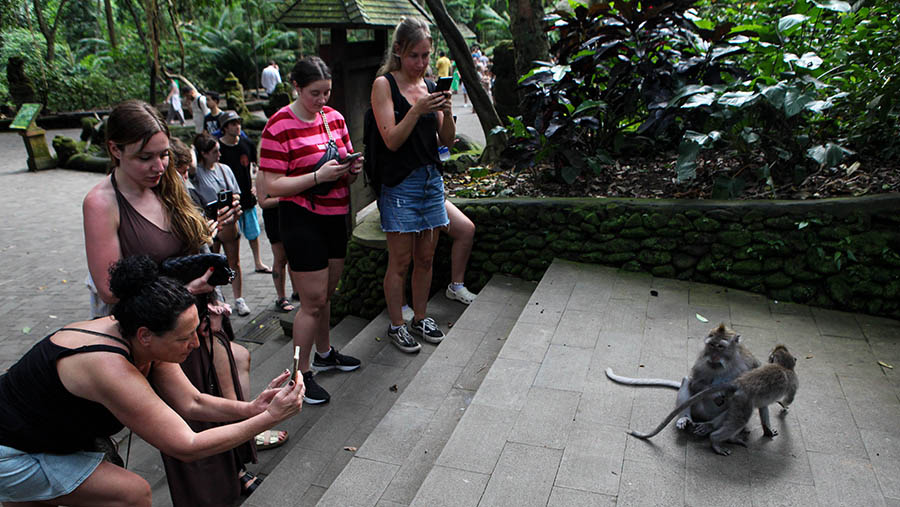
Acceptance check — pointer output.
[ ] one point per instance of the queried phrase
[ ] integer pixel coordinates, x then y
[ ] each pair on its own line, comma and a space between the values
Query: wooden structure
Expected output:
353, 64
39, 156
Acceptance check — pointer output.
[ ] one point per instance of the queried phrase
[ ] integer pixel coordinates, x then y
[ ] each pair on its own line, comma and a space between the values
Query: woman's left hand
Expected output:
356, 166
447, 105
201, 285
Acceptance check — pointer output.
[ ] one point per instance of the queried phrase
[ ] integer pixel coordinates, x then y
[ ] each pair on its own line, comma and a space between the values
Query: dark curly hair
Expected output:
146, 299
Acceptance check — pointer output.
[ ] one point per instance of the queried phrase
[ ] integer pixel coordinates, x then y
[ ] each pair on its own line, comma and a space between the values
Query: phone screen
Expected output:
349, 157
443, 84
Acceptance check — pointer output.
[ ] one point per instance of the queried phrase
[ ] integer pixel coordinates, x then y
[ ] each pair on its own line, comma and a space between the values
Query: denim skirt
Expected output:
416, 204
40, 476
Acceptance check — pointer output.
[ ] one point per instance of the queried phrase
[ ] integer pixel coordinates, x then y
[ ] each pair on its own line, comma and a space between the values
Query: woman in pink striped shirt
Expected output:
298, 159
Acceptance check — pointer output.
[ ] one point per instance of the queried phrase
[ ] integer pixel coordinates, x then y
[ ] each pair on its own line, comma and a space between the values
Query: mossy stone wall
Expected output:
834, 253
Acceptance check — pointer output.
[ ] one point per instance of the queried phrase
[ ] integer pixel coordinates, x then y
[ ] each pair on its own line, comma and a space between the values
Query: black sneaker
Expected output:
334, 361
314, 394
427, 330
403, 340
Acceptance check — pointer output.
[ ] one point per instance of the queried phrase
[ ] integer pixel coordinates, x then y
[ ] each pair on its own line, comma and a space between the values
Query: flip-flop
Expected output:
248, 484
270, 439
267, 271
283, 305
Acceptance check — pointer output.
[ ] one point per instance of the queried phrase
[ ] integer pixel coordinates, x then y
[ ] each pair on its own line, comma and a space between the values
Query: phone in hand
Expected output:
223, 201
350, 157
296, 363
443, 84
225, 198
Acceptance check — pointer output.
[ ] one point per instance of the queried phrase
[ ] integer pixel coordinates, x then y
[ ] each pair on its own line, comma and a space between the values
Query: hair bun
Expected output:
131, 274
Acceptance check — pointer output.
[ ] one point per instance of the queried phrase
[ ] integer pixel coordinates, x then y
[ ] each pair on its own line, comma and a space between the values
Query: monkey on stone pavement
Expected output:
723, 359
755, 389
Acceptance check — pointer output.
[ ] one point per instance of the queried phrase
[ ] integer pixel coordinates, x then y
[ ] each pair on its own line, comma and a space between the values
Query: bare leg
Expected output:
400, 247
323, 339
423, 255
313, 289
462, 230
278, 268
257, 261
232, 247
108, 486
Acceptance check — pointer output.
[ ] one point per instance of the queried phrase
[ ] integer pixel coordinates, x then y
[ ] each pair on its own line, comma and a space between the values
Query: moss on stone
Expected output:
735, 238
654, 257
777, 280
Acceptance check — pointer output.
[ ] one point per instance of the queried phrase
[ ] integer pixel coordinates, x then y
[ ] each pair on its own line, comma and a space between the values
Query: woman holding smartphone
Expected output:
411, 116
300, 162
84, 382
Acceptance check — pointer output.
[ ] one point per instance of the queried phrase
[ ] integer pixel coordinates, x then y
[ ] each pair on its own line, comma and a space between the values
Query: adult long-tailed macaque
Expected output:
724, 358
755, 389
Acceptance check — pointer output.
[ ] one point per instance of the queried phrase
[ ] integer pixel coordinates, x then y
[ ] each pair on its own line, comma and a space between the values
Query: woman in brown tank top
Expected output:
143, 208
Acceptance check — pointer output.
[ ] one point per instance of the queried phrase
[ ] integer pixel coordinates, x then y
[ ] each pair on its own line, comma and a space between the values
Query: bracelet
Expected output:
315, 178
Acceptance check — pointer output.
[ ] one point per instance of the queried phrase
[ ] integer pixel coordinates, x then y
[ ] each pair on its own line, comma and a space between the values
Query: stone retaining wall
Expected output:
834, 253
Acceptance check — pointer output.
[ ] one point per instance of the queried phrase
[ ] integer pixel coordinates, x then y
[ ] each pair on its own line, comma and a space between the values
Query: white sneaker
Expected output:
241, 306
407, 313
463, 295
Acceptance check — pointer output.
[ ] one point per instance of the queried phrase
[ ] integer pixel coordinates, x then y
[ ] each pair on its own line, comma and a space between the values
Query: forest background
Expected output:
705, 98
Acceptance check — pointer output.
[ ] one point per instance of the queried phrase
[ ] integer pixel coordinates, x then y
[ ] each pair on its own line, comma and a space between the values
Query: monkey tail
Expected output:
706, 393
642, 382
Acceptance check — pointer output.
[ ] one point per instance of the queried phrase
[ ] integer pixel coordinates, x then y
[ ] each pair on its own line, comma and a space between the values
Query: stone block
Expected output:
360, 484
478, 440
523, 477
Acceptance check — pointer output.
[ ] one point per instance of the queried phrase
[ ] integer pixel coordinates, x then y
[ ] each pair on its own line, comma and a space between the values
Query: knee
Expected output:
424, 262
314, 307
137, 493
241, 357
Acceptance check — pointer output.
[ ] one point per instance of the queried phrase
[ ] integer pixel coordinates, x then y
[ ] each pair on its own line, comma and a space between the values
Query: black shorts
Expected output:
270, 220
310, 240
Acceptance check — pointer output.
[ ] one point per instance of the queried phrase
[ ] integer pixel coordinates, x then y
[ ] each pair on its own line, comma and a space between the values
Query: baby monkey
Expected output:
755, 389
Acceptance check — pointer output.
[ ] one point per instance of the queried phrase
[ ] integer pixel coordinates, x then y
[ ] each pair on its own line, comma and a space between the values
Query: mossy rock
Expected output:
654, 257
281, 96
735, 238
664, 271
88, 124
706, 224
64, 147
777, 280
88, 163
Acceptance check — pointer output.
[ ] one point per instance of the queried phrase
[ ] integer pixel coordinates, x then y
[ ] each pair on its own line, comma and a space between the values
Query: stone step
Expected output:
316, 453
392, 462
268, 359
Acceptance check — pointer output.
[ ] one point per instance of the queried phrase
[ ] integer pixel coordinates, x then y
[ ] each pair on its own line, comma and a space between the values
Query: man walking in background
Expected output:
270, 77
443, 65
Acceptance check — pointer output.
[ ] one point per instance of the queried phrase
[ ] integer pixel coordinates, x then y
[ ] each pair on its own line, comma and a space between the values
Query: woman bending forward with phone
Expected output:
87, 380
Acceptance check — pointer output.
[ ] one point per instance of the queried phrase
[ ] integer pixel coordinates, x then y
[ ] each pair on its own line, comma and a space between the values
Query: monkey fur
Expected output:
757, 388
723, 359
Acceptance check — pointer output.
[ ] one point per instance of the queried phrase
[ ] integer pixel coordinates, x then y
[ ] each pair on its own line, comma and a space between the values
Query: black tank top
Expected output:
38, 414
421, 146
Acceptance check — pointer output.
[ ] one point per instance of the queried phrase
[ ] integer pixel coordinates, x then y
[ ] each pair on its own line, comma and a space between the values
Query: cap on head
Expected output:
230, 116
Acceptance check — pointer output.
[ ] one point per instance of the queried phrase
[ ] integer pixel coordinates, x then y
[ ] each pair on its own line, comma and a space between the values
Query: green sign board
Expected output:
27, 114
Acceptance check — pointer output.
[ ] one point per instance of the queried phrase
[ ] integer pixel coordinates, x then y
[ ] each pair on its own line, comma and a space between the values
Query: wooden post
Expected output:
39, 156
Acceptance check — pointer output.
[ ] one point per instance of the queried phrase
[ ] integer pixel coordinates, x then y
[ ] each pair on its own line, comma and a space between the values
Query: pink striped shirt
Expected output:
291, 145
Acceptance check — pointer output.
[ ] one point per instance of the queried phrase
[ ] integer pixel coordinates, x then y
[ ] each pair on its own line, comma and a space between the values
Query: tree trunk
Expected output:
481, 102
253, 47
151, 9
110, 23
49, 32
527, 27
177, 33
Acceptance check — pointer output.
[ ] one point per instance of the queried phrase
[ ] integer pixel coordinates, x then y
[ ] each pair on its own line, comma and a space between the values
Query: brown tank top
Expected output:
138, 236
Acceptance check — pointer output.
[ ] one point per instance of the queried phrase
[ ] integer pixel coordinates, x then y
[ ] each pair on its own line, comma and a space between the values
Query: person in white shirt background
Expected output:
270, 77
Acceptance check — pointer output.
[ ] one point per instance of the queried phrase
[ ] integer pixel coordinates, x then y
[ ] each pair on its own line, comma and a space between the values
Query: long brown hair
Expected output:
408, 33
136, 121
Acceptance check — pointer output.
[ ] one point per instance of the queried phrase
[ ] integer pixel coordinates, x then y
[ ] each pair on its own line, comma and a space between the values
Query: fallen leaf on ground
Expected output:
377, 338
882, 363
26, 329
701, 318
351, 449
393, 388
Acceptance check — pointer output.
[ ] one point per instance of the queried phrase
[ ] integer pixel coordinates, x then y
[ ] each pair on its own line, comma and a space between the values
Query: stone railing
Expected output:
834, 253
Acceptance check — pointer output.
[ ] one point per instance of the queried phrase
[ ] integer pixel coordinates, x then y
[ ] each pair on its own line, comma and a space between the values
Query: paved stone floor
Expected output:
548, 428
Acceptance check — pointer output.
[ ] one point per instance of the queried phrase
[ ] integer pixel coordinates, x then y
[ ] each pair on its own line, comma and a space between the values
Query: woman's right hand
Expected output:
288, 401
201, 285
429, 103
332, 170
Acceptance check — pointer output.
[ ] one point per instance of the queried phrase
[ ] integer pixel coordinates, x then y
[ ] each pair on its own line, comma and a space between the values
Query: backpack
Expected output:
373, 165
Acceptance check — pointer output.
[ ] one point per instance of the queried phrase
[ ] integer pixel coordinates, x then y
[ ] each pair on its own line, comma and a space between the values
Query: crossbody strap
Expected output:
327, 128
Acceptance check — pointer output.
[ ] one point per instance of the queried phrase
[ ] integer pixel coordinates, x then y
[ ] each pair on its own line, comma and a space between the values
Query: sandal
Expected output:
270, 439
264, 270
283, 305
249, 482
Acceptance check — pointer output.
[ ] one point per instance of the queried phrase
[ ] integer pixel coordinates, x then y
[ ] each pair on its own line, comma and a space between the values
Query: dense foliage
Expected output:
789, 87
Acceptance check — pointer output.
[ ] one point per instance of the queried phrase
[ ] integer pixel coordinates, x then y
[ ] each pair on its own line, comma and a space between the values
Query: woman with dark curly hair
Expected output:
87, 380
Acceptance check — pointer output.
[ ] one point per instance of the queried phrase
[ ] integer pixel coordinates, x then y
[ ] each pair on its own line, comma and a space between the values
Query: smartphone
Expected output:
211, 209
443, 84
225, 198
296, 363
350, 157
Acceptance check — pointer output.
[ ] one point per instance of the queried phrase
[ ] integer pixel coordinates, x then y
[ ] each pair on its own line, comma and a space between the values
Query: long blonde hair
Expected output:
408, 33
135, 121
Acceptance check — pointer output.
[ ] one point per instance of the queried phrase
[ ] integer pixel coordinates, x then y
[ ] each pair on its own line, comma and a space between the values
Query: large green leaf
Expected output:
833, 5
795, 100
738, 99
790, 23
570, 174
828, 155
775, 94
700, 99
